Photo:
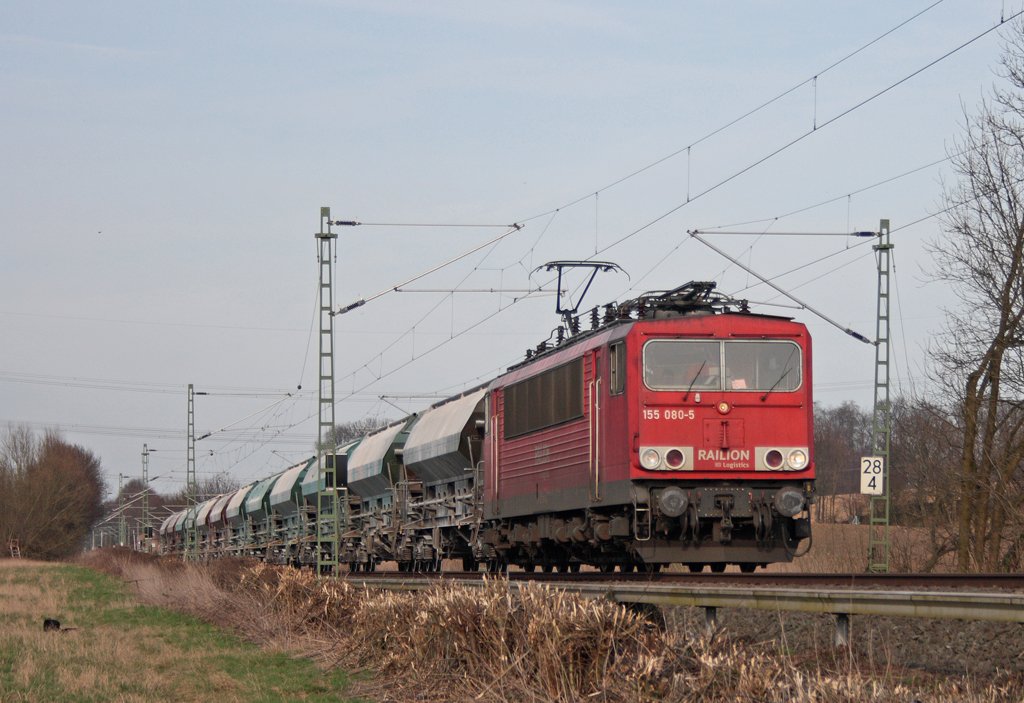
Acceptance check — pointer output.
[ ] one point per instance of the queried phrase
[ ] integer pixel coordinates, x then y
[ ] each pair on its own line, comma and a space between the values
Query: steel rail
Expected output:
888, 581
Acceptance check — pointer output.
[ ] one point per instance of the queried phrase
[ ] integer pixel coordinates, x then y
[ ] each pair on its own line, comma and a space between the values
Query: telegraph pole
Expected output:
881, 424
328, 505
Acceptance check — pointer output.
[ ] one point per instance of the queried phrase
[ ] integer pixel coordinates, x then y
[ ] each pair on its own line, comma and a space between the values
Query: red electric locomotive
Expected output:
678, 430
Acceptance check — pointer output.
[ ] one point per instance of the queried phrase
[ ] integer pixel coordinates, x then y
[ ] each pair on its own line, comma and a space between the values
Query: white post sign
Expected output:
871, 475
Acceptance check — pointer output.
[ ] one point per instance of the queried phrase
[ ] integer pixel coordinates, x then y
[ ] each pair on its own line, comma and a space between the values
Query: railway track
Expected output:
1003, 582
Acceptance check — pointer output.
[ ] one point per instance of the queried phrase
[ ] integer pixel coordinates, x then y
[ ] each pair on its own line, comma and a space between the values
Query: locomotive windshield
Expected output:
702, 365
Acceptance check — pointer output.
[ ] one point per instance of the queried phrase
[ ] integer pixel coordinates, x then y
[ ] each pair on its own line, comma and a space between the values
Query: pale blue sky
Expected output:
164, 165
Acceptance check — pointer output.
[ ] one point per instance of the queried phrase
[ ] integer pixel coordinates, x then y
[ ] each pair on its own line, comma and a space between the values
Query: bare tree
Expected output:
52, 493
980, 357
841, 436
345, 432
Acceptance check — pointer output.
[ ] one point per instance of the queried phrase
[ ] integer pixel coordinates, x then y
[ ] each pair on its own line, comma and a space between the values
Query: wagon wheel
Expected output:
748, 567
717, 567
695, 568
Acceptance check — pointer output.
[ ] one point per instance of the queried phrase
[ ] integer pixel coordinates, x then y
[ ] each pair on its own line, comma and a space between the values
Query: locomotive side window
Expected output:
677, 364
617, 368
547, 399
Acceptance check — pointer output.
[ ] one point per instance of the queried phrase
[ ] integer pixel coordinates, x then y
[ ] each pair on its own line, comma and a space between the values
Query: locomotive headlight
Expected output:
675, 458
797, 459
650, 459
773, 459
789, 501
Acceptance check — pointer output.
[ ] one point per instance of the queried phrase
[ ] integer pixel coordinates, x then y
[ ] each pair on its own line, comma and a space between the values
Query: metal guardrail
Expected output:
959, 605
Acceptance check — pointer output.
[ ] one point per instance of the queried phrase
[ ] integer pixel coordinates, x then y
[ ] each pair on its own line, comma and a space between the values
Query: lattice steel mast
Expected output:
328, 507
147, 527
122, 523
881, 425
192, 531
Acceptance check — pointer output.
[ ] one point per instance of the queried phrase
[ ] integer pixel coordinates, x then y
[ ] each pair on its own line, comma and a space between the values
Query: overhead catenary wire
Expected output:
829, 201
793, 142
518, 225
687, 149
722, 182
856, 335
445, 225
362, 301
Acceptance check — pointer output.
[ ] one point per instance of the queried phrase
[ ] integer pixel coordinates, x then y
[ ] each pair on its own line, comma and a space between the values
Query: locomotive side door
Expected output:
593, 400
614, 435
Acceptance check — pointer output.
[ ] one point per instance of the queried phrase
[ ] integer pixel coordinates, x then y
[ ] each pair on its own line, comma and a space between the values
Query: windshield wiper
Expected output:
775, 385
694, 379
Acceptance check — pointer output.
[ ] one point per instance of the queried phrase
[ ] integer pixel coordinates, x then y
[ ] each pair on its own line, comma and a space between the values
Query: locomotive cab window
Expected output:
671, 364
762, 366
683, 364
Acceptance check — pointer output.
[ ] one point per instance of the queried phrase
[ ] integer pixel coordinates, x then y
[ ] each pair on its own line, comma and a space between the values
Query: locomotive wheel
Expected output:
529, 567
547, 567
469, 564
606, 568
574, 567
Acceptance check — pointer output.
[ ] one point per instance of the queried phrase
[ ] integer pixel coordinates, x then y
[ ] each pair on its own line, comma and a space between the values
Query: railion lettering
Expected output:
723, 455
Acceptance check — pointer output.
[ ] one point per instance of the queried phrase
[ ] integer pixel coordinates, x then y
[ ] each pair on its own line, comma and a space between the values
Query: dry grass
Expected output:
119, 650
456, 644
843, 548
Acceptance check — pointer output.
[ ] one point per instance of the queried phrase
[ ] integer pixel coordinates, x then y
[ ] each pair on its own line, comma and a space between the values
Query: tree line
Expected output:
51, 493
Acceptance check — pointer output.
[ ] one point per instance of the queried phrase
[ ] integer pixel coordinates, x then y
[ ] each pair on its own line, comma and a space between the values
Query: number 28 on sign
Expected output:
871, 475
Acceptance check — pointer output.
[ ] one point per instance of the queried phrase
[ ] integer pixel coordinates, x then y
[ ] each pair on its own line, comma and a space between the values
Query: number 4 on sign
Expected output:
871, 475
